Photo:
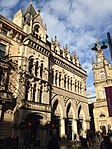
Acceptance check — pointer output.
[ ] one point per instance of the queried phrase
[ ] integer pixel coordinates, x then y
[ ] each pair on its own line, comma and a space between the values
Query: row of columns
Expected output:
36, 90
74, 127
72, 85
11, 33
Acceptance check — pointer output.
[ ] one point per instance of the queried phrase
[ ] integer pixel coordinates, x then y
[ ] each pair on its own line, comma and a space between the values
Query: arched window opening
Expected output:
26, 17
60, 80
41, 70
27, 87
55, 106
80, 121
71, 84
68, 109
103, 94
34, 91
56, 77
2, 50
36, 68
80, 87
68, 83
65, 81
40, 97
68, 123
102, 115
36, 29
52, 77
75, 86
30, 65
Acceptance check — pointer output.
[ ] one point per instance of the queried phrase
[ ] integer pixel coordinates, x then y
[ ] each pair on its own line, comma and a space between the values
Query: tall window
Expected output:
34, 91
41, 70
30, 65
56, 77
60, 79
26, 17
65, 81
75, 85
52, 78
68, 83
2, 50
40, 97
27, 87
71, 84
80, 87
36, 68
103, 94
102, 75
36, 28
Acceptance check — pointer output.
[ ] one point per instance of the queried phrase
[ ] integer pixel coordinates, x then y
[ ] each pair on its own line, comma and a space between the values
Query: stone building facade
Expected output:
102, 71
48, 83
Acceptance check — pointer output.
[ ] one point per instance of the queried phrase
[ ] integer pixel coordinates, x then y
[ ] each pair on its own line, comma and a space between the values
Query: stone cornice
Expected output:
34, 106
70, 67
12, 25
70, 95
37, 44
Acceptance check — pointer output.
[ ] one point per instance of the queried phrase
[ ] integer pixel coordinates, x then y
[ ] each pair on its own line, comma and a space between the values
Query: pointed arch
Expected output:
60, 104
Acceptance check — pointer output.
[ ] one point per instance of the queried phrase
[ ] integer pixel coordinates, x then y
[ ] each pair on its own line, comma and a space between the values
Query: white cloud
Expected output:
8, 3
5, 12
75, 22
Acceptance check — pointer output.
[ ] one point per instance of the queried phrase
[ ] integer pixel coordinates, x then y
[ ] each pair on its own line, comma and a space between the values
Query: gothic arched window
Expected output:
36, 29
56, 77
36, 68
65, 81
68, 83
41, 70
30, 65
34, 91
60, 79
71, 84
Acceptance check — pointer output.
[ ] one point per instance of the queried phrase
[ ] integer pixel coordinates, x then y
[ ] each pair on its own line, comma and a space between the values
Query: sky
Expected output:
76, 23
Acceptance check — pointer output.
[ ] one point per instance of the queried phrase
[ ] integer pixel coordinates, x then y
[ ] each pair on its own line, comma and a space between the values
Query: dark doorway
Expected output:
55, 121
33, 125
68, 124
79, 122
103, 128
68, 128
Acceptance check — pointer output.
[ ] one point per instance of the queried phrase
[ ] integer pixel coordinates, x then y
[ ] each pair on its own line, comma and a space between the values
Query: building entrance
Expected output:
33, 127
55, 126
68, 128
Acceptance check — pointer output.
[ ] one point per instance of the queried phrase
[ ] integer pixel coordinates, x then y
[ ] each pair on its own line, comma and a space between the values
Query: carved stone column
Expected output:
62, 127
74, 126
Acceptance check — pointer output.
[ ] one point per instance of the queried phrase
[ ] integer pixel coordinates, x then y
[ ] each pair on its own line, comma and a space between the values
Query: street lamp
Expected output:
104, 46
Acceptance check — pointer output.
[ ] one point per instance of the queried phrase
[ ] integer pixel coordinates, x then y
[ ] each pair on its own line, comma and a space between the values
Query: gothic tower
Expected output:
102, 71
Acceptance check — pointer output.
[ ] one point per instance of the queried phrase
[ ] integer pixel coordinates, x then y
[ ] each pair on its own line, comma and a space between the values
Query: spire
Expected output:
30, 9
30, 1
